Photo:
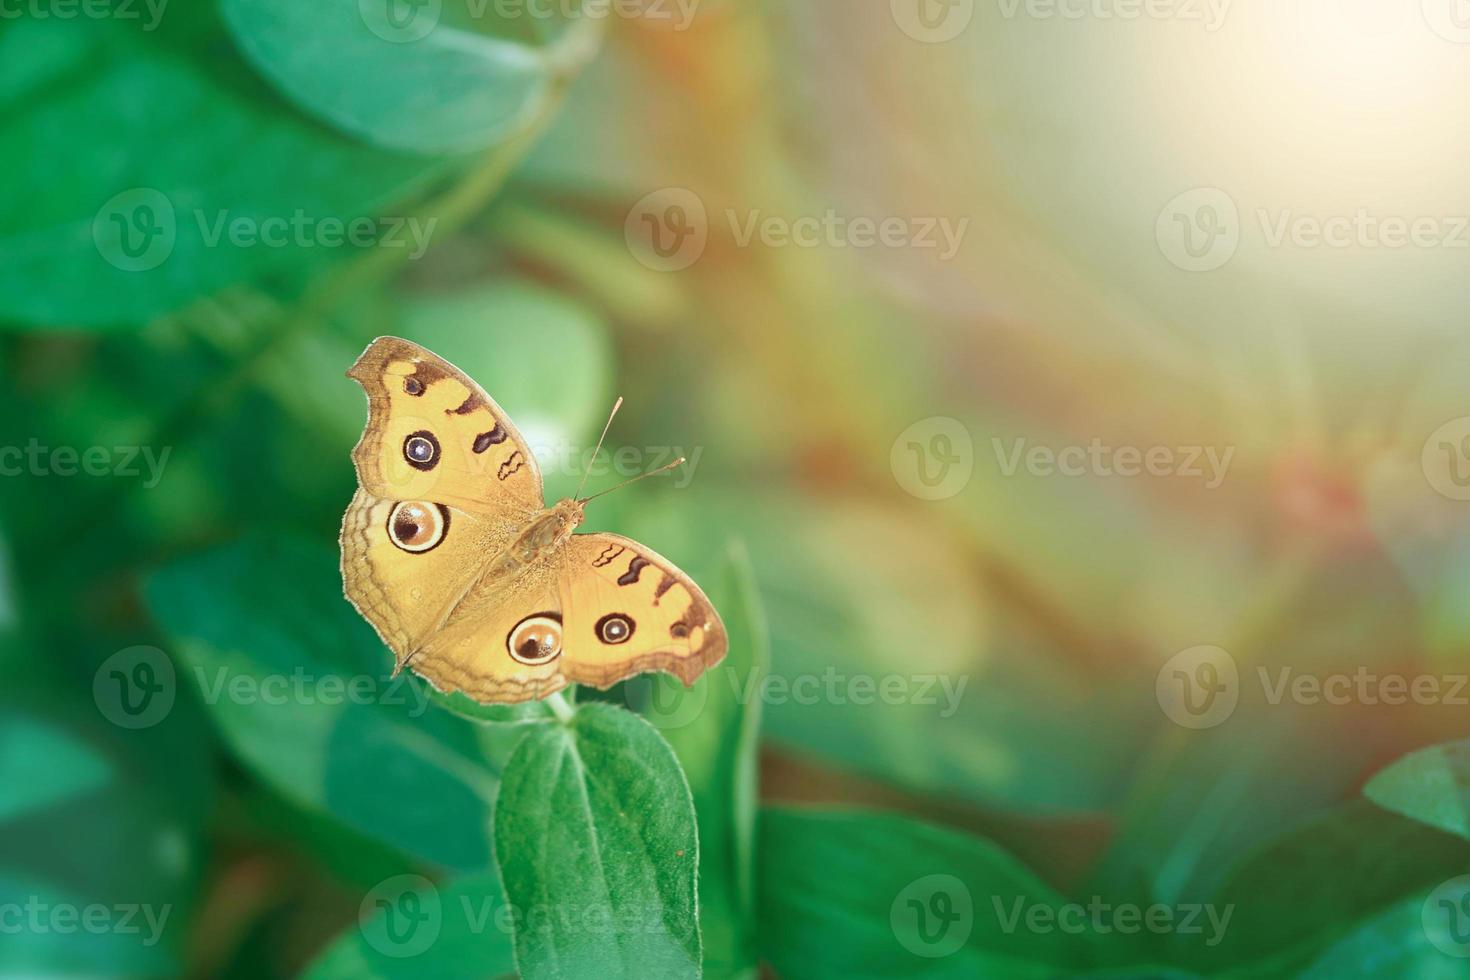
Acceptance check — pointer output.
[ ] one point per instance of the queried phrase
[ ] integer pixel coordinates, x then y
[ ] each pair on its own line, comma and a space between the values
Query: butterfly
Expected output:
451, 553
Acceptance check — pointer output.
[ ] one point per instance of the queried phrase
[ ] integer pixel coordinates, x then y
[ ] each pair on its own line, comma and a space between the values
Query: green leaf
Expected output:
299, 686
595, 836
1314, 882
133, 149
410, 929
422, 84
119, 847
42, 765
1202, 798
714, 729
853, 894
458, 703
1394, 943
1431, 786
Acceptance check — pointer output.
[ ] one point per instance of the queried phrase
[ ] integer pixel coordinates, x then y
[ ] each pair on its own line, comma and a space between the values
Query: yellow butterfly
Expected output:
450, 552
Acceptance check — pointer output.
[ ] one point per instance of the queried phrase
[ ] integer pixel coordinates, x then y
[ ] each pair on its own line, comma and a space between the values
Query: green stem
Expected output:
564, 712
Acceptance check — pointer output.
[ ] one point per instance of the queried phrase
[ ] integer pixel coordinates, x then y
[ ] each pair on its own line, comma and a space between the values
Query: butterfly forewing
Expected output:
433, 434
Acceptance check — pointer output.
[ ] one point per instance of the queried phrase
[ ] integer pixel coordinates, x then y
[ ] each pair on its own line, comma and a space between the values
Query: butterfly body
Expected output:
450, 552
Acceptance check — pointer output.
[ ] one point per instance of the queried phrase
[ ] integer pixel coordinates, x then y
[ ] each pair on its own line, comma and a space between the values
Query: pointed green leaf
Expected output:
1315, 881
595, 836
714, 728
854, 894
1431, 786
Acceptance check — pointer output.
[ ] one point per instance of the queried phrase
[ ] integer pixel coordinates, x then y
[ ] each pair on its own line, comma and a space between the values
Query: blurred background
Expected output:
1093, 367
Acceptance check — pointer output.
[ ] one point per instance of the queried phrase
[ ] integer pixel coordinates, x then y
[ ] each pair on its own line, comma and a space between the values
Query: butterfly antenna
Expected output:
610, 416
641, 476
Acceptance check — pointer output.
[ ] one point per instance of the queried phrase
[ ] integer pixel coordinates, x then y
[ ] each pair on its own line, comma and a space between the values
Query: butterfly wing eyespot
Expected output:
535, 640
615, 628
417, 526
421, 450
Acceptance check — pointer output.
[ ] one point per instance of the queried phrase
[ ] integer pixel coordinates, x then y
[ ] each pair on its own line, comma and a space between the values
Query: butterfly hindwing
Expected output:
484, 650
627, 610
405, 562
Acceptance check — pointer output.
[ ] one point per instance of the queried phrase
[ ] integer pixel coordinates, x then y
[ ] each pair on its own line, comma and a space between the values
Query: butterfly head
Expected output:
569, 512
